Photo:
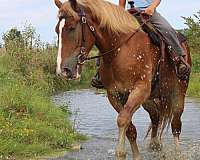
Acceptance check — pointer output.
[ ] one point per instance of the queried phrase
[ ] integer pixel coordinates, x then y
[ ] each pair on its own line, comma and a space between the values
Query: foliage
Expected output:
30, 124
13, 38
193, 34
194, 85
30, 37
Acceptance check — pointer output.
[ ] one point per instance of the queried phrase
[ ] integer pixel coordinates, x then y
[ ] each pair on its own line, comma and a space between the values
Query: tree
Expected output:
193, 32
29, 34
13, 38
25, 39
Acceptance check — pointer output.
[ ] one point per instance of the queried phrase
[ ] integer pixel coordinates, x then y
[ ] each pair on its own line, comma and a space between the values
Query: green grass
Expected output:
30, 124
194, 84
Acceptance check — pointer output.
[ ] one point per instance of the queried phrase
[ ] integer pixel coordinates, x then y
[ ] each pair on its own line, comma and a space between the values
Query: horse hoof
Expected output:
120, 155
137, 158
155, 145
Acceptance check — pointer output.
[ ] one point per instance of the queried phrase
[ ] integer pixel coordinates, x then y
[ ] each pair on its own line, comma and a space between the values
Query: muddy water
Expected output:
95, 117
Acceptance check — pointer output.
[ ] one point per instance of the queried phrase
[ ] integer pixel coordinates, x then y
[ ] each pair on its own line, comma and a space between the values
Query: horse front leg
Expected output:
121, 155
136, 97
131, 134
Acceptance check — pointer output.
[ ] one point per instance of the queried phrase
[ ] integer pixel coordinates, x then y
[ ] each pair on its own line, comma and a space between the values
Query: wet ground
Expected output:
95, 117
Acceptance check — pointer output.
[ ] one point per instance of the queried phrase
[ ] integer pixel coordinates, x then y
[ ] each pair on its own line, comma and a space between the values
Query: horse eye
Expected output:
68, 29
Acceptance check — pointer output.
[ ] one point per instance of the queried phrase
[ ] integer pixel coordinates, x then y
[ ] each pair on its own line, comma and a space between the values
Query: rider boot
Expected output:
96, 80
182, 68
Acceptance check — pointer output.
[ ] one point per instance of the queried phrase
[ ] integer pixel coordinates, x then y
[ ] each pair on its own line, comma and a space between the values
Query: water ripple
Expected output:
94, 116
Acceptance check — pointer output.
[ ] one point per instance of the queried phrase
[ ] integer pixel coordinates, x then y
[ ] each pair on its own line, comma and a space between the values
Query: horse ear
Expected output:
58, 3
73, 4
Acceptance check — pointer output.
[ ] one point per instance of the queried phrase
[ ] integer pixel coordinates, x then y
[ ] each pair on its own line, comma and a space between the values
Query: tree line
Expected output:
29, 38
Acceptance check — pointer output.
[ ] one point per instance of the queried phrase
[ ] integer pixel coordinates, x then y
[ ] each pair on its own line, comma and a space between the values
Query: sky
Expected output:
42, 14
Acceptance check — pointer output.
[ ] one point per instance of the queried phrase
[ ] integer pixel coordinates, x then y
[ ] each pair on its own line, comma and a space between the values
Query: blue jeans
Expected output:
162, 25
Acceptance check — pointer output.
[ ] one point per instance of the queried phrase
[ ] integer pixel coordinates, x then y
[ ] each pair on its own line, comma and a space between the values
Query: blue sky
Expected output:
42, 14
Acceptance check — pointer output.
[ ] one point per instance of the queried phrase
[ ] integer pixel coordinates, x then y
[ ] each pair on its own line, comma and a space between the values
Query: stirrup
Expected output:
182, 68
96, 82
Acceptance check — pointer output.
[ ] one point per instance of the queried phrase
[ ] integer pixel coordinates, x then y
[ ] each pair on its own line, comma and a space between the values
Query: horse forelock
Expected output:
109, 15
67, 10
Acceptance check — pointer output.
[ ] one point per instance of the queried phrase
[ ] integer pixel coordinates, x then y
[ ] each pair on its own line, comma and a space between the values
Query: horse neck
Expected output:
107, 41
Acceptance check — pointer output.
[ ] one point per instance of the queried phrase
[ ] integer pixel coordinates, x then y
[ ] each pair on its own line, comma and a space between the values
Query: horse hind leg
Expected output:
152, 108
176, 123
174, 109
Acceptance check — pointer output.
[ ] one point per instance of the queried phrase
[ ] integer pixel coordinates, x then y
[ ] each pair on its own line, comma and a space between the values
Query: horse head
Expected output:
75, 39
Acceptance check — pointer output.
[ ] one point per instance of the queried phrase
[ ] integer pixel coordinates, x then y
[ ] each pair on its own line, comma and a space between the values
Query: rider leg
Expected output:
96, 81
171, 38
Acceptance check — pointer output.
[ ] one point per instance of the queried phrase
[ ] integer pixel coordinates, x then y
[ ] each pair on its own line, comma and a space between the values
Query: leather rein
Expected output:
82, 57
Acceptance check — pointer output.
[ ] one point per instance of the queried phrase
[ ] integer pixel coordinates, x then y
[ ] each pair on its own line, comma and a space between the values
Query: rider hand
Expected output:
149, 10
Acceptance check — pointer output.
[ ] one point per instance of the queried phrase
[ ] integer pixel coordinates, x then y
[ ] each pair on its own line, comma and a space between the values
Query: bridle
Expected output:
82, 56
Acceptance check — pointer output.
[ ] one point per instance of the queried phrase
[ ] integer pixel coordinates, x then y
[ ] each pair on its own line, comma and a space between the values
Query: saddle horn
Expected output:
58, 3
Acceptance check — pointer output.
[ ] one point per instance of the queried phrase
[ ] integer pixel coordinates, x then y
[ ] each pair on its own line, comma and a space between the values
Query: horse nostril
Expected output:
68, 72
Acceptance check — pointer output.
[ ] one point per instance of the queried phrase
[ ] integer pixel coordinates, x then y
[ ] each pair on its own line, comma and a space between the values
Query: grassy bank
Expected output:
194, 85
30, 124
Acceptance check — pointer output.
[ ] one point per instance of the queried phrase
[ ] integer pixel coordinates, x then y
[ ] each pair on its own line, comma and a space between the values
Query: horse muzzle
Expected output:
70, 74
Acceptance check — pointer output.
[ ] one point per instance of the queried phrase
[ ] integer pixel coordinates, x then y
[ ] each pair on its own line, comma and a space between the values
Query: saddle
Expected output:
154, 35
158, 39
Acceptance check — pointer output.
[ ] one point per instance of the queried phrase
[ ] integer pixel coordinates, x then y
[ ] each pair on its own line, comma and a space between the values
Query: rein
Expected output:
82, 57
115, 48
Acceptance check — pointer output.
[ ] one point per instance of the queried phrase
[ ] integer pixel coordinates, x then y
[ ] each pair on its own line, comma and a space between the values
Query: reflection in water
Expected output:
97, 118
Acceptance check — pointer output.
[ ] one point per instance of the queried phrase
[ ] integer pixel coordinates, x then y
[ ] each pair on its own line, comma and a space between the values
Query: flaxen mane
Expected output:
109, 15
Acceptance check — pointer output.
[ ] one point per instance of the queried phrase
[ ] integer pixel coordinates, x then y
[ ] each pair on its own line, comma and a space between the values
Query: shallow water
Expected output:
95, 117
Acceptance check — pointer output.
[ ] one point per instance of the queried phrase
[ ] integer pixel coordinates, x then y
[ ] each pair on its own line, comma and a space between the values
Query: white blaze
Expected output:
59, 58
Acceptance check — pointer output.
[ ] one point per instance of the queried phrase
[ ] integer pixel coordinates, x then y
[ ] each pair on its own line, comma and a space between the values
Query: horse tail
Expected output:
165, 117
165, 113
164, 106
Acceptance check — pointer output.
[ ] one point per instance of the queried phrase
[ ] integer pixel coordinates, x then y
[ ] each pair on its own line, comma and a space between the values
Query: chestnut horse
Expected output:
130, 65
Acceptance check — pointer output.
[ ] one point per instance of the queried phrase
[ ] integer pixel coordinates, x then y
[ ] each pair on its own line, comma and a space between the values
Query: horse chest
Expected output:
118, 78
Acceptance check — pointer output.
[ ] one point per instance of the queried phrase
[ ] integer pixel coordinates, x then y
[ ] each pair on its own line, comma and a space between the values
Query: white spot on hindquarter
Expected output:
59, 58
